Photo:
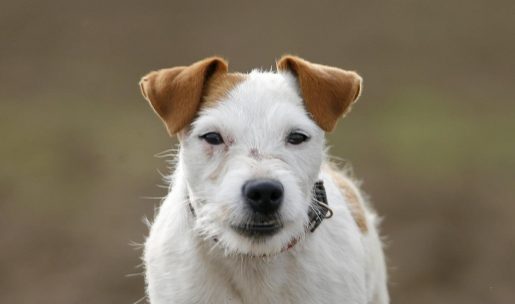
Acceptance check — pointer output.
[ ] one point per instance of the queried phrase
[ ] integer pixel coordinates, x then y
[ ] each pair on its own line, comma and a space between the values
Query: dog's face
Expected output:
251, 161
251, 144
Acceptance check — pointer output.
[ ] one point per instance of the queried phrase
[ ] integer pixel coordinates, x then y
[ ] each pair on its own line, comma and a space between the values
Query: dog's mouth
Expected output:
259, 228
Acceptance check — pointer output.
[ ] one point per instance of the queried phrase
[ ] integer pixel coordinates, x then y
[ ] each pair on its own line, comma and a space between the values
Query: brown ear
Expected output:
175, 94
328, 92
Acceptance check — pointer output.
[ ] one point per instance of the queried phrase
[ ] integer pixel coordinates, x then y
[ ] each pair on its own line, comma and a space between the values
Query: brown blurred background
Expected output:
432, 136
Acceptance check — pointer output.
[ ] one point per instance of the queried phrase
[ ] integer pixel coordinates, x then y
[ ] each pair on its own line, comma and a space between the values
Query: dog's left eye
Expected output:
296, 138
212, 138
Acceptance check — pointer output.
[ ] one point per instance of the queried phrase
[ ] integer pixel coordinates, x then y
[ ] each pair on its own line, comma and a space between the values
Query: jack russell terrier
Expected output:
256, 213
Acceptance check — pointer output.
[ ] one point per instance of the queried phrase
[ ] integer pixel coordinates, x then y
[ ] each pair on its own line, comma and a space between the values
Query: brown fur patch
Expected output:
218, 87
175, 94
351, 194
328, 92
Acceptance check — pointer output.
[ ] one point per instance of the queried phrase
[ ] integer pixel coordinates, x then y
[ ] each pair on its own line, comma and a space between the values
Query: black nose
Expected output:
263, 195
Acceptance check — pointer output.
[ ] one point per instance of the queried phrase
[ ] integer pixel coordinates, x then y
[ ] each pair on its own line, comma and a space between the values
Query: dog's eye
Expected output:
296, 138
213, 138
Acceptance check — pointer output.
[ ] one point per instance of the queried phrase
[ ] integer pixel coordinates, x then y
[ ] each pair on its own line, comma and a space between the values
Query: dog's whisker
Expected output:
139, 301
136, 245
161, 174
136, 274
153, 197
172, 152
216, 245
336, 158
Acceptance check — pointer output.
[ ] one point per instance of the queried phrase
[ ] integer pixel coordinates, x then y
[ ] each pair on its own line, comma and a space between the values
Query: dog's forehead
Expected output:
281, 86
260, 101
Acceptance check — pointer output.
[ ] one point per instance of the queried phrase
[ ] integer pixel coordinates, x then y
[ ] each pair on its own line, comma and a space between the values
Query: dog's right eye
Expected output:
296, 138
213, 138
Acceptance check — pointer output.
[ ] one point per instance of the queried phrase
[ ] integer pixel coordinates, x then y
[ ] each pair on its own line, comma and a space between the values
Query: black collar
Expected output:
318, 211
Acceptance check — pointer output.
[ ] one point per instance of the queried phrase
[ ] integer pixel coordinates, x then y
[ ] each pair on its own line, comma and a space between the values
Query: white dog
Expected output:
256, 214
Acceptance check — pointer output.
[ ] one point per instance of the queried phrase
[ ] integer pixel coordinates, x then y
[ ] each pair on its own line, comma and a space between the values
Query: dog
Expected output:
256, 212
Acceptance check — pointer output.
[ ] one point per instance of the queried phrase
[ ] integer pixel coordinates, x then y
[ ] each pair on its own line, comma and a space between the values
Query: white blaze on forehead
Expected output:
264, 103
261, 88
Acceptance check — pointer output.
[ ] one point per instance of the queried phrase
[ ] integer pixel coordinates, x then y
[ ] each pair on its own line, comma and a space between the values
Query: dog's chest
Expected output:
267, 280
292, 278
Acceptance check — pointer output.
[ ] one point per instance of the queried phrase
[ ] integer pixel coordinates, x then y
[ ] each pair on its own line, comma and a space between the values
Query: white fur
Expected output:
184, 264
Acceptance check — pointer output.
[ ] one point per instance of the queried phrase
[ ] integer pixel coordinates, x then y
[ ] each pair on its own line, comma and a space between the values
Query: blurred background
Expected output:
432, 136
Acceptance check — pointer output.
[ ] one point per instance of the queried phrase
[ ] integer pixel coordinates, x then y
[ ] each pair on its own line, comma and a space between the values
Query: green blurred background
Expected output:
432, 135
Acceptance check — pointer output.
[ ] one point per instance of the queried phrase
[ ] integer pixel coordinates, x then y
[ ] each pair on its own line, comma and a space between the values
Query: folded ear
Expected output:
328, 92
175, 94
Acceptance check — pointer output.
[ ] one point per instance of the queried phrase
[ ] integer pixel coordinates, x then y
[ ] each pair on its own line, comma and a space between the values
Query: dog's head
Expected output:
251, 144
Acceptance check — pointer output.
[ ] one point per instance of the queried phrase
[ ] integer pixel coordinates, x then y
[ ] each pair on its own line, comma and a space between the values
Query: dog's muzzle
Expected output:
265, 197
